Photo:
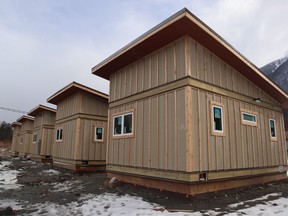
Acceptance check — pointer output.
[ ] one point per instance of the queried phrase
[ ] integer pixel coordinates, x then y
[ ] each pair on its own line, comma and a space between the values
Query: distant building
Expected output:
16, 126
26, 135
81, 127
43, 133
190, 114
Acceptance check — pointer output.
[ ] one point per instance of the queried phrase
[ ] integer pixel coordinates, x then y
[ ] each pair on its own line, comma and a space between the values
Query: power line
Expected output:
13, 110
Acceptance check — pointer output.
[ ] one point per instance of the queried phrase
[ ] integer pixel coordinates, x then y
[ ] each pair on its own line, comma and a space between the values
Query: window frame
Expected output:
34, 140
59, 129
122, 134
271, 137
95, 135
247, 122
221, 106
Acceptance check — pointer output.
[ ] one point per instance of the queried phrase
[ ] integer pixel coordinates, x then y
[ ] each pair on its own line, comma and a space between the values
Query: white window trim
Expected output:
271, 137
59, 140
122, 123
247, 122
95, 135
217, 132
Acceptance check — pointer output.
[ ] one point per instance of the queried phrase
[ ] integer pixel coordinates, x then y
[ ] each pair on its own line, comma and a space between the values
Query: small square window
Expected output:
99, 133
123, 124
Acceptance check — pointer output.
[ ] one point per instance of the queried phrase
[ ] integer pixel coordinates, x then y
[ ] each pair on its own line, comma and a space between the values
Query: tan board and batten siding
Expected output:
15, 138
78, 114
44, 125
161, 122
26, 135
181, 69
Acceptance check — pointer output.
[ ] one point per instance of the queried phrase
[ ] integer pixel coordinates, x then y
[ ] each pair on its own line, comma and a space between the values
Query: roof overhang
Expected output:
72, 89
178, 25
40, 108
16, 124
25, 118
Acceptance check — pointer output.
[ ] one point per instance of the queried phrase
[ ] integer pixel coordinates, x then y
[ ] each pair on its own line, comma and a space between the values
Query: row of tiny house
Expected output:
74, 135
186, 113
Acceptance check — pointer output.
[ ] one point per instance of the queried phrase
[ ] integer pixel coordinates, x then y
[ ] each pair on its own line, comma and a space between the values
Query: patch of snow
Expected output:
15, 205
50, 172
8, 178
276, 207
254, 200
65, 186
106, 204
278, 63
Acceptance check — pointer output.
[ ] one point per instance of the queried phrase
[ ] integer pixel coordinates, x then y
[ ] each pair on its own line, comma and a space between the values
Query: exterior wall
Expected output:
26, 135
44, 147
243, 146
159, 68
170, 92
78, 117
159, 133
205, 66
68, 107
184, 57
15, 140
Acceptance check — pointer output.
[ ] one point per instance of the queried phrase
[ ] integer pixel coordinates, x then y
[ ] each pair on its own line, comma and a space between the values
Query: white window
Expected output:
249, 118
59, 134
217, 120
123, 124
34, 138
99, 133
272, 128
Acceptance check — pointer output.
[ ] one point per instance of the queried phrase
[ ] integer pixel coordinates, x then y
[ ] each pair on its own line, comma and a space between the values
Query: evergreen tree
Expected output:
5, 131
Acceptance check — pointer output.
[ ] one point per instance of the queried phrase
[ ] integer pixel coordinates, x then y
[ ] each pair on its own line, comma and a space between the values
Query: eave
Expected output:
72, 89
40, 108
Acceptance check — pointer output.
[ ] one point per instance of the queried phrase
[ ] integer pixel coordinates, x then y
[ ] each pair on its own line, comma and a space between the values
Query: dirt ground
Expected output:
37, 189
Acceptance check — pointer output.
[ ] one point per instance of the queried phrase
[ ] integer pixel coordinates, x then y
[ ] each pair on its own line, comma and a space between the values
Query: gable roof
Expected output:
40, 108
71, 89
185, 23
24, 118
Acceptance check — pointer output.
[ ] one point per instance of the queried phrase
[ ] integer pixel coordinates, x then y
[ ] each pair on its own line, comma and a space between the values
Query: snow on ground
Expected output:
104, 204
50, 172
8, 178
114, 205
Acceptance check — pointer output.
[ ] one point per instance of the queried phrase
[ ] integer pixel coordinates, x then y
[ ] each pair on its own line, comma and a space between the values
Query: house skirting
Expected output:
197, 183
14, 154
80, 165
42, 158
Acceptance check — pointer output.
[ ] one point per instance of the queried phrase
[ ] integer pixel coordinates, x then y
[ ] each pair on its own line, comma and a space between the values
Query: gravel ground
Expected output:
42, 183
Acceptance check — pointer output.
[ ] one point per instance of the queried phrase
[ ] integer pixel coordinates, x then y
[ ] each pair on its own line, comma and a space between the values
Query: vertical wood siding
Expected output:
78, 134
161, 67
173, 129
243, 146
159, 136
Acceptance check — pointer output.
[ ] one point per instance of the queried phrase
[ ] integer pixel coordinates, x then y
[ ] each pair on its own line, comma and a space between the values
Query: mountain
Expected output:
277, 71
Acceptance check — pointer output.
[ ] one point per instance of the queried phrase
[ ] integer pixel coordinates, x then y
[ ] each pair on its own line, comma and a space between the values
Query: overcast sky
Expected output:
46, 44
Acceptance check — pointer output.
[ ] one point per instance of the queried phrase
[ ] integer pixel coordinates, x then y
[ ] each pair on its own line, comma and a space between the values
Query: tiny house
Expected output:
43, 133
80, 128
25, 144
15, 138
190, 114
